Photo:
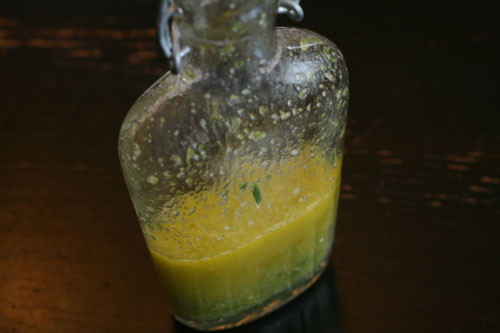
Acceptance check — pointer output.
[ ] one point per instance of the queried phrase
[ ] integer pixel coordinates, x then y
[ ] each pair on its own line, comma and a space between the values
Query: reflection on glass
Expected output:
317, 310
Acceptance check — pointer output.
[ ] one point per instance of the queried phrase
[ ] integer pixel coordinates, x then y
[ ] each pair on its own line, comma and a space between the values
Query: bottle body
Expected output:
235, 175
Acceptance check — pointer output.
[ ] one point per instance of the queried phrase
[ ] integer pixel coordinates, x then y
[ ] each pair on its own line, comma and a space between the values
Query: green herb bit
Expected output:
304, 44
256, 194
228, 48
263, 109
215, 111
302, 93
326, 51
189, 155
243, 186
333, 156
224, 193
238, 64
189, 74
235, 123
309, 76
256, 135
176, 159
315, 40
236, 27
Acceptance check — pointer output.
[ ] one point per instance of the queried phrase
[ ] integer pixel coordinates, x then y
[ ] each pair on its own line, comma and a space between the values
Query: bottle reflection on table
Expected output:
316, 310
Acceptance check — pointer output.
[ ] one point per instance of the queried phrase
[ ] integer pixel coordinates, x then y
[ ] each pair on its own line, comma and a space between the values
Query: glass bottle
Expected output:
233, 165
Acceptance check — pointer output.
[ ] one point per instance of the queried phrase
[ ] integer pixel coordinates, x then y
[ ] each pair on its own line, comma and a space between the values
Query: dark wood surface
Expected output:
418, 235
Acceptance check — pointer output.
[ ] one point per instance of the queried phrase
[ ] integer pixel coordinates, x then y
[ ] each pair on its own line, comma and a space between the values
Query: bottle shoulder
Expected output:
310, 56
307, 65
308, 43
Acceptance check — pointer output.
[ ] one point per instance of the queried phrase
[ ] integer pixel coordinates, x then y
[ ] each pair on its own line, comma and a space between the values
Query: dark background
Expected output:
418, 236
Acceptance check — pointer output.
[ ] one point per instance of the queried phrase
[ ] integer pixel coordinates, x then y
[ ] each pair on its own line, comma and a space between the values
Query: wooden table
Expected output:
418, 236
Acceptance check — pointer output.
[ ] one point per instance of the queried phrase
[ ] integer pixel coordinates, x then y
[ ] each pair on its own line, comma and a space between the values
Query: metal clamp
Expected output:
168, 36
292, 9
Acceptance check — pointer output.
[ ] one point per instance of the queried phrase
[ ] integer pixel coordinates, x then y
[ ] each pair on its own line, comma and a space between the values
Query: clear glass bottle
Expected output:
233, 165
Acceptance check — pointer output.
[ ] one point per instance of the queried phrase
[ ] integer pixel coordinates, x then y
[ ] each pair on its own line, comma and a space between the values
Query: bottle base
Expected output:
259, 310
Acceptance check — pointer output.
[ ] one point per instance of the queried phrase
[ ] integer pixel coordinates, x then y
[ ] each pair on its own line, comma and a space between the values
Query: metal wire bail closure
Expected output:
292, 9
168, 36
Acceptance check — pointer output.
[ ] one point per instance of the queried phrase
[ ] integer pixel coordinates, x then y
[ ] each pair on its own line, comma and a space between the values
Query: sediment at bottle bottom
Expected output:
257, 311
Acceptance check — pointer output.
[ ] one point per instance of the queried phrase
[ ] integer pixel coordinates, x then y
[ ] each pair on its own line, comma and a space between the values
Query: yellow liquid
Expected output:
223, 252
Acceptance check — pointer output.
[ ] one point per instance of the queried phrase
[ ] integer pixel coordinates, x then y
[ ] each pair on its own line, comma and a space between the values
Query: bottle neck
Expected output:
237, 35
